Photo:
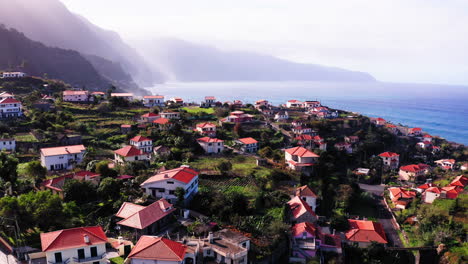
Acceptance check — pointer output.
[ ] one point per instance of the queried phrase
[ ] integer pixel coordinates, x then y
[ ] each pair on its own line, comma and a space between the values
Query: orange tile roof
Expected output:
72, 238
414, 167
433, 189
128, 151
68, 92
146, 216
9, 101
206, 124
140, 139
299, 229
299, 207
365, 231
158, 248
248, 140
153, 97
150, 115
162, 121
460, 181
55, 151
209, 140
388, 154
302, 152
305, 191
398, 192
182, 174
127, 209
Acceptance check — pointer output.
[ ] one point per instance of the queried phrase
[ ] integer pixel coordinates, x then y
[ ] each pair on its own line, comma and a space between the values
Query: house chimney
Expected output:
185, 166
86, 239
166, 175
210, 237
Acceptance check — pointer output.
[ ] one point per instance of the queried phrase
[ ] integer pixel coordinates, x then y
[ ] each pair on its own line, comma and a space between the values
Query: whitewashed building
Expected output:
10, 107
211, 145
77, 96
153, 100
13, 74
130, 154
8, 144
142, 143
62, 158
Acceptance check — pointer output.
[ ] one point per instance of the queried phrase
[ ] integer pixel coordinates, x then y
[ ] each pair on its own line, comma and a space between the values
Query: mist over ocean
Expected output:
441, 110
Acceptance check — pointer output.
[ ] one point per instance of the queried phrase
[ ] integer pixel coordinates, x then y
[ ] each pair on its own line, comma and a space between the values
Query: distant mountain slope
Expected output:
186, 61
17, 52
51, 23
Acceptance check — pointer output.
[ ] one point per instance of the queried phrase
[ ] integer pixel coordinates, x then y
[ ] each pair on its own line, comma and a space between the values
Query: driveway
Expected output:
385, 215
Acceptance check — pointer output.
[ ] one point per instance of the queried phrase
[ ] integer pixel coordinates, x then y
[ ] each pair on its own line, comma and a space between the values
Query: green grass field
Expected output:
198, 111
27, 137
117, 260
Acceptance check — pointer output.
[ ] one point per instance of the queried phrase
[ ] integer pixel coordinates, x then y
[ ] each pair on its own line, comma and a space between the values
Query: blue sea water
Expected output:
441, 110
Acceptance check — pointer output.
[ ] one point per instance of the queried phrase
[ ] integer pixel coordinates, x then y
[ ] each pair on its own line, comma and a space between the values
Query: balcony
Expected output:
305, 244
66, 261
89, 259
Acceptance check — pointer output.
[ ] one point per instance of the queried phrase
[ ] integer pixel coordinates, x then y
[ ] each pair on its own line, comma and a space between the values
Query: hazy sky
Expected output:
394, 40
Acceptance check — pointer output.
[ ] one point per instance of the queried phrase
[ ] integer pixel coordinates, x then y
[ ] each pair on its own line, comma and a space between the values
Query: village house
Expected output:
101, 94
323, 112
464, 166
248, 145
401, 197
55, 185
413, 172
221, 247
343, 146
312, 104
206, 129
427, 138
69, 139
163, 123
390, 160
300, 211
130, 154
261, 104
294, 104
268, 112
414, 132
76, 96
6, 75
446, 164
161, 151
451, 192
176, 100
379, 121
307, 238
62, 158
153, 100
363, 233
281, 116
392, 128
301, 130
126, 96
460, 181
142, 143
145, 220
10, 107
307, 195
424, 144
5, 95
149, 117
238, 117
300, 159
351, 139
125, 129
421, 188
435, 149
164, 184
430, 194
153, 249
7, 144
75, 245
210, 101
170, 115
211, 145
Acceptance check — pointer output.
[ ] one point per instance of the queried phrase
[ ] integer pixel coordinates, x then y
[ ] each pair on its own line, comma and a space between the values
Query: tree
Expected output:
80, 192
35, 171
224, 167
180, 194
109, 188
238, 130
8, 165
266, 152
102, 168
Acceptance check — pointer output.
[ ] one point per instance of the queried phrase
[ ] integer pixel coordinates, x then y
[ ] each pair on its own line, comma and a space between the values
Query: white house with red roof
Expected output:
62, 158
390, 160
281, 116
464, 166
294, 104
431, 193
312, 104
153, 100
343, 146
446, 164
401, 197
379, 121
75, 245
248, 144
460, 181
130, 154
351, 139
170, 115
363, 233
206, 129
76, 96
126, 96
164, 184
300, 159
56, 184
392, 128
300, 211
153, 250
307, 195
176, 100
261, 103
415, 131
145, 220
424, 144
210, 101
427, 137
149, 117
10, 107
413, 171
238, 117
211, 145
142, 143
301, 130
307, 238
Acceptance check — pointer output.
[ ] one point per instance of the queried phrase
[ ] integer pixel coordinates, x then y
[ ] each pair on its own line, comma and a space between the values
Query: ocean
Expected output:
441, 110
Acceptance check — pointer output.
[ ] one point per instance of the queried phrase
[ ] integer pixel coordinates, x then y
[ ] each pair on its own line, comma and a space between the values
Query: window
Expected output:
58, 257
81, 254
94, 252
170, 182
172, 192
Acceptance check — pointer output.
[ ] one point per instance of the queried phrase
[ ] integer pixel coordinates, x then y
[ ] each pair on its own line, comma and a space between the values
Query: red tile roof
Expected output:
209, 140
72, 238
158, 248
64, 150
299, 207
414, 167
140, 139
304, 137
143, 217
182, 174
460, 181
153, 97
425, 186
388, 154
299, 229
150, 115
86, 174
75, 92
305, 191
9, 101
206, 124
302, 152
128, 151
162, 121
248, 140
398, 192
365, 231
210, 98
433, 189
